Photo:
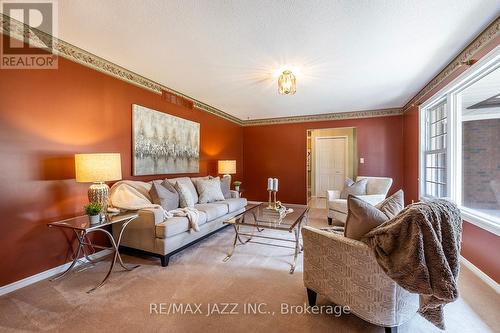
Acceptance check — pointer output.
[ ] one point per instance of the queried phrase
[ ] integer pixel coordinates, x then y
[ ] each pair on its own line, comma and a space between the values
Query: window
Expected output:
480, 123
435, 151
460, 143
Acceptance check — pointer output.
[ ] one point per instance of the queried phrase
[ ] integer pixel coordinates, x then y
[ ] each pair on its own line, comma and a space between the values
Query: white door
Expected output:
330, 164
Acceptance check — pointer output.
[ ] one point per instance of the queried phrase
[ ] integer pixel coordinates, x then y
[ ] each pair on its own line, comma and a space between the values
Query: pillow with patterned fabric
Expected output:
393, 205
209, 190
225, 185
186, 181
197, 179
185, 196
354, 188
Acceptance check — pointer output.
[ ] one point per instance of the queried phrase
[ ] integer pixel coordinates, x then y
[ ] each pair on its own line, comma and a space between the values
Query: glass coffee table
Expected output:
259, 218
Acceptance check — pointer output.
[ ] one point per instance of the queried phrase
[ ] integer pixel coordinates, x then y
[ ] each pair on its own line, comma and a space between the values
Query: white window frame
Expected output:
423, 144
452, 93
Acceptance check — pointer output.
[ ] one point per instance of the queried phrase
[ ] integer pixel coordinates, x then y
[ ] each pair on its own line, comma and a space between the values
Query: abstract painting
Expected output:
163, 144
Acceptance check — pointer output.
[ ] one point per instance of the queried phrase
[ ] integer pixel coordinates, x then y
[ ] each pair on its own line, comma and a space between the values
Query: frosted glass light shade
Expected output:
287, 83
226, 167
92, 168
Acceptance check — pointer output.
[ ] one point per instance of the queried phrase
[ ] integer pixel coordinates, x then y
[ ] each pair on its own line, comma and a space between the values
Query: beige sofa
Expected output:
151, 234
376, 191
346, 272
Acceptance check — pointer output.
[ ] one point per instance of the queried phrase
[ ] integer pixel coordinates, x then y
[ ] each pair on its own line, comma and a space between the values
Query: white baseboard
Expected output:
480, 274
48, 273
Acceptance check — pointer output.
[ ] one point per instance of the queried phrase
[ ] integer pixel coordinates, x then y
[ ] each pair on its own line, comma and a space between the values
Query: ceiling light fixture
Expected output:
286, 83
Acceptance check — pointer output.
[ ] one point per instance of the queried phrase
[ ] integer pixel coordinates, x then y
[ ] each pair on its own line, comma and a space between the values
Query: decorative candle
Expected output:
269, 184
275, 184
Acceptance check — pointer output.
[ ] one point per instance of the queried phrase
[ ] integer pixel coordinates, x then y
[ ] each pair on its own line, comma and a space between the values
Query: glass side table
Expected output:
82, 228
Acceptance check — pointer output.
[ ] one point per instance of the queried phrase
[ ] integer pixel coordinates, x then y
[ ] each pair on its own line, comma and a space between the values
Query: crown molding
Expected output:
325, 117
489, 34
21, 31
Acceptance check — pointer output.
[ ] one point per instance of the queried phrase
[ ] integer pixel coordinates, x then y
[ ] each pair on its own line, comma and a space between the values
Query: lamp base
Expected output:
224, 176
99, 193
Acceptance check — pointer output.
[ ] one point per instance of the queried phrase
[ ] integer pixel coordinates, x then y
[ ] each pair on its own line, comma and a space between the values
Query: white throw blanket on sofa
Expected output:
132, 195
191, 213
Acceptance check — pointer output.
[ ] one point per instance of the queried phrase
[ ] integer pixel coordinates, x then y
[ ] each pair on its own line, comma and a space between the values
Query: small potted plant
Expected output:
237, 185
93, 210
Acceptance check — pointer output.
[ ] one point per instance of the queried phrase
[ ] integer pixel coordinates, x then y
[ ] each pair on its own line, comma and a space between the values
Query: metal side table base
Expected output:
116, 255
84, 243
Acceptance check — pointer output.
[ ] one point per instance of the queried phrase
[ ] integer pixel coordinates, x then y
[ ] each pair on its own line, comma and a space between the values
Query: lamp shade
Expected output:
226, 167
98, 167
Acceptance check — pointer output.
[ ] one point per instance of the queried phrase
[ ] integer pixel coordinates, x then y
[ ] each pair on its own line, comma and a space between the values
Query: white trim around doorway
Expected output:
346, 167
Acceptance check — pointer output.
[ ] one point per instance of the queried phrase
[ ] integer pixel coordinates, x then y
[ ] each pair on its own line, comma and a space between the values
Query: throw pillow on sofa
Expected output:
185, 195
197, 179
225, 186
186, 181
354, 188
362, 217
165, 195
209, 190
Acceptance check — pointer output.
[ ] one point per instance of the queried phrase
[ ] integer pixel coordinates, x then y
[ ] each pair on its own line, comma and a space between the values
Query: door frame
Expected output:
346, 160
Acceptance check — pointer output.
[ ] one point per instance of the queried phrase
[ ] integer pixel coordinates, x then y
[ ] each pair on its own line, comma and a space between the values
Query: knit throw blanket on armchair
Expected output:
420, 250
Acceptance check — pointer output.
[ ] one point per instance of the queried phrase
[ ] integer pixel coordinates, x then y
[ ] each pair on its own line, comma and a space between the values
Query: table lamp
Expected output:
97, 169
226, 167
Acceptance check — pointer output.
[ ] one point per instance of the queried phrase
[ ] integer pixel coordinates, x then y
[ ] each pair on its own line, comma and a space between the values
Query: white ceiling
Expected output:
348, 55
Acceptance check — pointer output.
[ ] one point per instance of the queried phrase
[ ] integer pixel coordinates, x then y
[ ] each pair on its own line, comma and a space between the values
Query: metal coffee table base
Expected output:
83, 242
237, 238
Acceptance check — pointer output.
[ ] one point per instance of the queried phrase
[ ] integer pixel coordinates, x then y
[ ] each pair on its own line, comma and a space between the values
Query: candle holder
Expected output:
269, 205
272, 188
272, 200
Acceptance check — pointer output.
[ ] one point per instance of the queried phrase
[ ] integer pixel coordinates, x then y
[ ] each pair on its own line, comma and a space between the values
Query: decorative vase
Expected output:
95, 219
237, 188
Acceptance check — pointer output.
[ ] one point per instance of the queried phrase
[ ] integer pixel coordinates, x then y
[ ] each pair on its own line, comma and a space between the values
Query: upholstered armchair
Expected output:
346, 272
376, 191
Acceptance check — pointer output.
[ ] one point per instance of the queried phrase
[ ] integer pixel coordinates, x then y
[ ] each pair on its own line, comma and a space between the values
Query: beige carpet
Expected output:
255, 274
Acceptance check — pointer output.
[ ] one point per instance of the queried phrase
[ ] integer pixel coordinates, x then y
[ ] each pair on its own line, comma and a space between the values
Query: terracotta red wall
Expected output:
477, 244
480, 248
46, 116
280, 151
411, 159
